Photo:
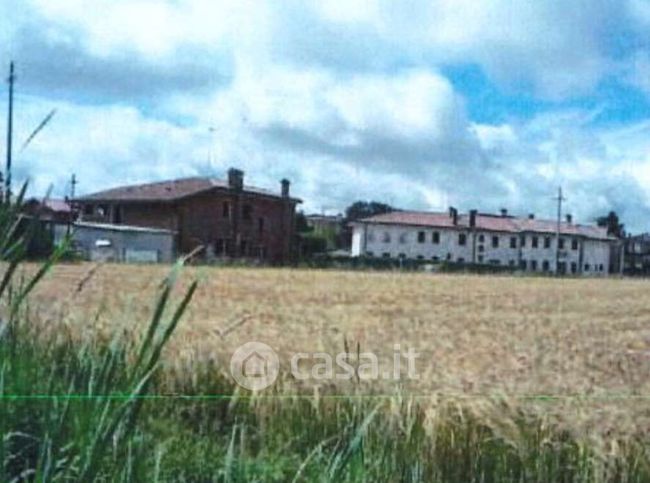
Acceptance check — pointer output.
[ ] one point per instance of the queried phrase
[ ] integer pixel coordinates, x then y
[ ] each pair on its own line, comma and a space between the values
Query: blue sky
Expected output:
422, 104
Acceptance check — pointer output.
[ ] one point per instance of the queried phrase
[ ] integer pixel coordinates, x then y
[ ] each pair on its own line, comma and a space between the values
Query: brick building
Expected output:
227, 218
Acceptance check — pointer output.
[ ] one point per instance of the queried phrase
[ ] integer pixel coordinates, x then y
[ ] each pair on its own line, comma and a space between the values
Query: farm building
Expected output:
118, 243
227, 218
501, 240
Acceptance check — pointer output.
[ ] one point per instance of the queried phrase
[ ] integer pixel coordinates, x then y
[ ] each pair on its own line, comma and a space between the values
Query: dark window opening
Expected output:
435, 237
88, 209
421, 236
226, 210
247, 212
117, 215
547, 242
574, 267
462, 239
480, 259
561, 245
546, 266
481, 238
260, 225
461, 260
574, 244
533, 265
535, 242
513, 242
495, 242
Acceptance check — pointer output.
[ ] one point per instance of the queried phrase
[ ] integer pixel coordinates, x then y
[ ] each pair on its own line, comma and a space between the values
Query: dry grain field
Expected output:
538, 341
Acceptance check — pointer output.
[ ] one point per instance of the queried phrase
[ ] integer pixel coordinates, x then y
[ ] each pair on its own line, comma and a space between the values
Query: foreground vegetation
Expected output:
97, 383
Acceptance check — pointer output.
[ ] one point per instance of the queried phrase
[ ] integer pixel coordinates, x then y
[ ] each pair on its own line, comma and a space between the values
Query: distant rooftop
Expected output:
170, 190
488, 222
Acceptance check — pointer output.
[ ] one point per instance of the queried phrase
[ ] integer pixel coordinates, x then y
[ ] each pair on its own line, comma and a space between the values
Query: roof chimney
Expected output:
531, 216
453, 214
472, 218
504, 212
235, 179
569, 219
286, 185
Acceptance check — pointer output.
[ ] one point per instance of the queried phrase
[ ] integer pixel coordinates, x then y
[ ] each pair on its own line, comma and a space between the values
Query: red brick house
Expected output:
227, 218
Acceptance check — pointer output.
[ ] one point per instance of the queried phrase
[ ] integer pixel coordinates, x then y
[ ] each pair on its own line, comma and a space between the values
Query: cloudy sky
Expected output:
421, 104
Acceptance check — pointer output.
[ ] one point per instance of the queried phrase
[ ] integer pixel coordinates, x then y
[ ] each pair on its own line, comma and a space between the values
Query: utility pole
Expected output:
10, 116
559, 200
73, 185
71, 216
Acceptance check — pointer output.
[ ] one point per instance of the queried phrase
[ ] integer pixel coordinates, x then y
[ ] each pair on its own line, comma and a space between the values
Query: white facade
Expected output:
530, 251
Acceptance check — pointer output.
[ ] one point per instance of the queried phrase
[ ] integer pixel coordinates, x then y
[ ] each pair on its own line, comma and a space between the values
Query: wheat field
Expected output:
474, 334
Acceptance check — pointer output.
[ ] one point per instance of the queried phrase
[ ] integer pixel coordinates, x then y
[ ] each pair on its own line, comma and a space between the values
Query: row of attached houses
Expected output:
528, 243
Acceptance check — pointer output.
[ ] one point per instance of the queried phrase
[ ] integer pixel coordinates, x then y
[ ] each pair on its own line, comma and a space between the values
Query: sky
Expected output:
422, 104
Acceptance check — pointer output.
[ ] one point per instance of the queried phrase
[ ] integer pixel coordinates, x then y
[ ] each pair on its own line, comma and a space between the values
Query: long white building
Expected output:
525, 243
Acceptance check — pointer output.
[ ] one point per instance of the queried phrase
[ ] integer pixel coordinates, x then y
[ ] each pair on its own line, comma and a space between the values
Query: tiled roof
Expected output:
507, 224
171, 190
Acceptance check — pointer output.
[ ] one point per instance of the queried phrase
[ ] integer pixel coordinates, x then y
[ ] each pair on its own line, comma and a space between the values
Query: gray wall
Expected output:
125, 245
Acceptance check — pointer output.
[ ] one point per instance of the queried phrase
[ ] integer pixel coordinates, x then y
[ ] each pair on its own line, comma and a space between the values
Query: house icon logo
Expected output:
254, 366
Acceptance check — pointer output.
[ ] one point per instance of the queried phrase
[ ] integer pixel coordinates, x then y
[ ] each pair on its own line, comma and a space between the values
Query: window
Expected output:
522, 264
494, 261
386, 255
88, 209
511, 263
247, 212
535, 242
547, 242
574, 244
448, 256
386, 237
495, 242
574, 267
117, 215
480, 259
522, 241
513, 242
587, 267
370, 254
481, 238
403, 237
421, 236
260, 225
481, 248
435, 258
402, 255
462, 239
420, 257
601, 267
546, 266
460, 260
533, 265
219, 247
435, 237
561, 246
225, 212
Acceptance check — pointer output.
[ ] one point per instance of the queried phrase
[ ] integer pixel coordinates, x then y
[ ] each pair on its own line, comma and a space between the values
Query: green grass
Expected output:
73, 412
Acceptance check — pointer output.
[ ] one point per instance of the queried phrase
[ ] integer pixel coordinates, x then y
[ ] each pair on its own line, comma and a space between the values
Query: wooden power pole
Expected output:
10, 116
559, 200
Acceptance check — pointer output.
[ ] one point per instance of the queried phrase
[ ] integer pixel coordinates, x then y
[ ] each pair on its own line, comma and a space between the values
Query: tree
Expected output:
613, 224
365, 209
